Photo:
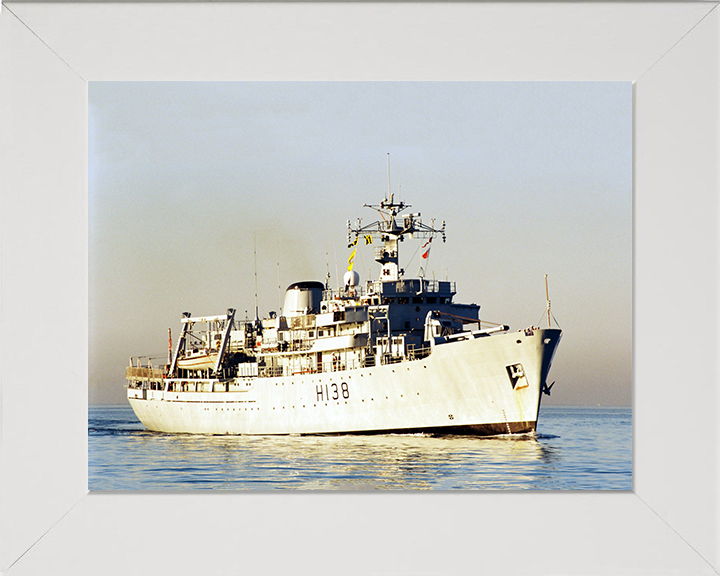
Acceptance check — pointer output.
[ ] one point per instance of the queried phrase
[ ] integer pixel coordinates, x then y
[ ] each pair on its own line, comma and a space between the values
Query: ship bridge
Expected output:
432, 291
414, 290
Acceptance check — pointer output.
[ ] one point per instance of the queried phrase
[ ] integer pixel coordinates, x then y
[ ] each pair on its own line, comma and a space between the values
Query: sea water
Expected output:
576, 448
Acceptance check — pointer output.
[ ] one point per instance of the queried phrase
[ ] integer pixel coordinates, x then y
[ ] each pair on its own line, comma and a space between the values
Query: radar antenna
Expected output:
391, 229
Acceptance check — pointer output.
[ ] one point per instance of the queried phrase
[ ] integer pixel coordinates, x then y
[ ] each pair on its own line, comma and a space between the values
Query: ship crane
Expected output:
391, 229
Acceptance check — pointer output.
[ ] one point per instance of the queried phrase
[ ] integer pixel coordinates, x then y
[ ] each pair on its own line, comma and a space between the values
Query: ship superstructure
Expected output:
393, 355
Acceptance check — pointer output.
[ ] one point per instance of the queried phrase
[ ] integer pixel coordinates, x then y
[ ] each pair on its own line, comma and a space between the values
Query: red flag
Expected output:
425, 254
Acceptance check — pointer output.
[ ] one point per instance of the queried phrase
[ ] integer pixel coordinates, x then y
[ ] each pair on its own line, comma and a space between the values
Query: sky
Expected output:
191, 183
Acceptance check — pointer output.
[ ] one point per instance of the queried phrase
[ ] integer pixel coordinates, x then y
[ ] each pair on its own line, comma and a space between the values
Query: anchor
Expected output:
546, 389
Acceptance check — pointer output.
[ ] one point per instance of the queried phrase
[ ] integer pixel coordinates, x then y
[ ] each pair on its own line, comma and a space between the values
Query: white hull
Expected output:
462, 387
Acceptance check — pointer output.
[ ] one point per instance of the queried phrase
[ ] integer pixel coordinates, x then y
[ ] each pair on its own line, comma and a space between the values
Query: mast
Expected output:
547, 299
277, 249
257, 318
390, 230
327, 267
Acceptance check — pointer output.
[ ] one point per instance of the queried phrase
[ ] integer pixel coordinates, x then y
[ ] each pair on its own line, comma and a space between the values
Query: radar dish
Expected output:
351, 278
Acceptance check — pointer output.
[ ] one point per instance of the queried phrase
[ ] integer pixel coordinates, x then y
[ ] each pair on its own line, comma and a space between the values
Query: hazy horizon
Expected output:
186, 180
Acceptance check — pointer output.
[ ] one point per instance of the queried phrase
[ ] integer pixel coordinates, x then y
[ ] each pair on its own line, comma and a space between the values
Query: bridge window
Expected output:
432, 299
417, 300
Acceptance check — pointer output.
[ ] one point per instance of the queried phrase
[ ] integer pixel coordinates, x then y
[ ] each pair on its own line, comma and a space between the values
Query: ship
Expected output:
395, 355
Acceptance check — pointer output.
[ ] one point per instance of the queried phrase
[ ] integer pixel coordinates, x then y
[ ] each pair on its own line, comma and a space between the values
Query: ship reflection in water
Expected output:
349, 462
575, 449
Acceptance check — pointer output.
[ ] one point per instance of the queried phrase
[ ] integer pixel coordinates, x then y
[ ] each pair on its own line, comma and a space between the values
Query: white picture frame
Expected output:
668, 524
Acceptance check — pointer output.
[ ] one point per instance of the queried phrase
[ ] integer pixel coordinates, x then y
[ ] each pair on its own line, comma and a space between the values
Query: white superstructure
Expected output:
394, 355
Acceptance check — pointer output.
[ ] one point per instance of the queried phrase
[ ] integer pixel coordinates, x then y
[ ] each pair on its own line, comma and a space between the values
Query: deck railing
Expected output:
143, 373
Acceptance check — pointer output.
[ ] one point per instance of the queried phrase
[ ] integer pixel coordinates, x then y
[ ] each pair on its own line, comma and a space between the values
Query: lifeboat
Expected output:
198, 360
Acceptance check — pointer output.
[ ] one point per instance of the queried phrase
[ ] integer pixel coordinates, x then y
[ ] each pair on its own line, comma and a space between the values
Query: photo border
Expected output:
669, 523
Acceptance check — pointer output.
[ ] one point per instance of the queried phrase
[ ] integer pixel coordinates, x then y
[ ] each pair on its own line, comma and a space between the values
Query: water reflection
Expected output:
584, 449
344, 462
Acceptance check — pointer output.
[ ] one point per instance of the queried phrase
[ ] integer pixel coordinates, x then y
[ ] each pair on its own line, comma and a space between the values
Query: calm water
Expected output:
574, 449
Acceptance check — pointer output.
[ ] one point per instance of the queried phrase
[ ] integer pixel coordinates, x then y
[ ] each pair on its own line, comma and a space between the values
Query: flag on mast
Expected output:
351, 259
427, 252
